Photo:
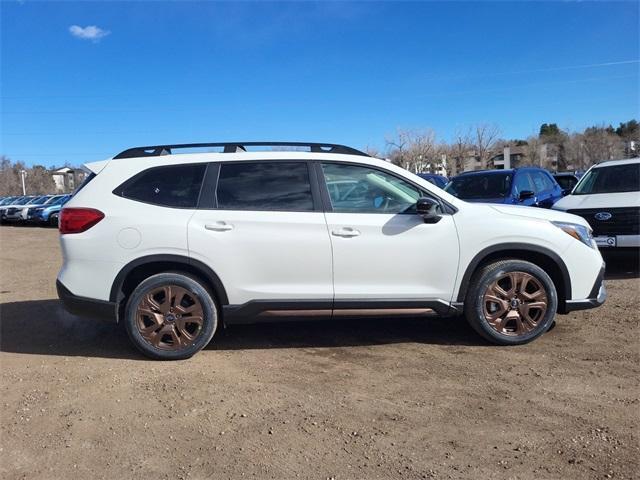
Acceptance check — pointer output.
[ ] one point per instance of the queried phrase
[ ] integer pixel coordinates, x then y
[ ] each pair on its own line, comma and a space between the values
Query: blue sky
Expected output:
170, 72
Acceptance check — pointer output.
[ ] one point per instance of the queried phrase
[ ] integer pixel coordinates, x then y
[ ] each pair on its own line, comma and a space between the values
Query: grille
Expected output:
11, 211
623, 221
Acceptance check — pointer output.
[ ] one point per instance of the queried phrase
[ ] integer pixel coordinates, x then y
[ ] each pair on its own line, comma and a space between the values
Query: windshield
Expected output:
478, 186
58, 200
566, 182
437, 180
7, 201
21, 201
36, 200
614, 179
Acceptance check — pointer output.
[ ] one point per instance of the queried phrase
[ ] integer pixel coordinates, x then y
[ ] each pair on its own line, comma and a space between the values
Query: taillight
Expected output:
76, 220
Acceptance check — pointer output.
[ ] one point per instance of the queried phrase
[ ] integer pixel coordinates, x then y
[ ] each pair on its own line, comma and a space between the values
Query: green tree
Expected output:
549, 130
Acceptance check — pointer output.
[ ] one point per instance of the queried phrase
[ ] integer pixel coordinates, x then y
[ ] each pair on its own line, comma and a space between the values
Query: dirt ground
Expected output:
344, 399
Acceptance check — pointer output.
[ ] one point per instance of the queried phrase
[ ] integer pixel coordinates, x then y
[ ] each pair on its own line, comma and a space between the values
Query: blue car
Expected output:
437, 180
530, 186
48, 214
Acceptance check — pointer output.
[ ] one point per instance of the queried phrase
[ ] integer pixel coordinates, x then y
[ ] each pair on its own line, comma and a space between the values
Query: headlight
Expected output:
579, 232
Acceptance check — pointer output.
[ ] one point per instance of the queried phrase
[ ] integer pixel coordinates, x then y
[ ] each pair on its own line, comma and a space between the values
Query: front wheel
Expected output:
511, 302
170, 316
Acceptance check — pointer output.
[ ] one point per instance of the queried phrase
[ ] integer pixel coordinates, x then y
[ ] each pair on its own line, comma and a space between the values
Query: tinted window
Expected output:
479, 186
281, 186
567, 182
171, 186
366, 190
618, 178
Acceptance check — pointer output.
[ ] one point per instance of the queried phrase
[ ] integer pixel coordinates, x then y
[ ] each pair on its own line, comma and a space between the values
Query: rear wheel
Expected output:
170, 316
511, 302
53, 220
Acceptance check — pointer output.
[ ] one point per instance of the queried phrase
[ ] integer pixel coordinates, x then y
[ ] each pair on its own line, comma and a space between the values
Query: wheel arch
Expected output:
137, 270
545, 258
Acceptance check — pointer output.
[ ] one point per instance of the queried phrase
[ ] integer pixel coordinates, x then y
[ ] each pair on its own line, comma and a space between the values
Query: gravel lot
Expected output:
344, 399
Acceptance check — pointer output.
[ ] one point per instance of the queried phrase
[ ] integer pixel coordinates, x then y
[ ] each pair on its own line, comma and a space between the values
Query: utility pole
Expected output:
23, 173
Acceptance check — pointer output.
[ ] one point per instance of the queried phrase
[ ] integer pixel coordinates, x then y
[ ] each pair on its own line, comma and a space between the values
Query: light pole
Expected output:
23, 173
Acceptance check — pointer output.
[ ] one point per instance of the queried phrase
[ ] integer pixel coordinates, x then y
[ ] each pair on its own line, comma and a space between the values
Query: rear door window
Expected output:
275, 186
171, 186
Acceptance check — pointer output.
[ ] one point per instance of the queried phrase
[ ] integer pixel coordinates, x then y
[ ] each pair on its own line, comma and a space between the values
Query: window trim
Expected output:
209, 200
118, 191
445, 207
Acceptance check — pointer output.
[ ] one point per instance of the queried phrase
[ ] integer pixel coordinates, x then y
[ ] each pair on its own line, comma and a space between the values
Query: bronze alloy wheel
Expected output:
169, 317
515, 303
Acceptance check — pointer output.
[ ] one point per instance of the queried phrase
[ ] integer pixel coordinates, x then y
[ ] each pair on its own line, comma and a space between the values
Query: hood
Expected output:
599, 200
540, 214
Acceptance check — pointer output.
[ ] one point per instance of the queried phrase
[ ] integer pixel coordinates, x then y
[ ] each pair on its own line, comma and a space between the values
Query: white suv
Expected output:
608, 197
174, 245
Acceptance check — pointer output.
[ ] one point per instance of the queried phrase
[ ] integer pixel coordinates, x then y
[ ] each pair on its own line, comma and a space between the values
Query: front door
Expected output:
383, 252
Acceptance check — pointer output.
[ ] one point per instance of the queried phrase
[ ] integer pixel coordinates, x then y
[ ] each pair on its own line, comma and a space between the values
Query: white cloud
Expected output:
90, 32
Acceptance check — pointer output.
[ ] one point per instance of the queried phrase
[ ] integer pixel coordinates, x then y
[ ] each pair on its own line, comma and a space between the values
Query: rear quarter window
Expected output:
170, 186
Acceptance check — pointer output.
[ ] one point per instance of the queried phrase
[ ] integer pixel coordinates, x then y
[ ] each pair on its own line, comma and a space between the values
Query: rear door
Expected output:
264, 232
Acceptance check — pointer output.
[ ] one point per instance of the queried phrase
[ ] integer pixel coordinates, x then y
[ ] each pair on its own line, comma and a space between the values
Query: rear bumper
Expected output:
596, 298
87, 307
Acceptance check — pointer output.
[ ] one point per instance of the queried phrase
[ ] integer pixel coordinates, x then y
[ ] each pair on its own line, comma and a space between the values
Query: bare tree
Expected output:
484, 138
372, 152
414, 150
38, 179
533, 151
600, 143
459, 150
397, 148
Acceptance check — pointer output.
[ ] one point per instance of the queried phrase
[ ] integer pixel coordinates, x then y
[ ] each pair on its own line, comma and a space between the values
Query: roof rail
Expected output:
232, 147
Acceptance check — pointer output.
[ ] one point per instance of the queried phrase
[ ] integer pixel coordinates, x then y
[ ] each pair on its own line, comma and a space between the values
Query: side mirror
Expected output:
427, 208
526, 194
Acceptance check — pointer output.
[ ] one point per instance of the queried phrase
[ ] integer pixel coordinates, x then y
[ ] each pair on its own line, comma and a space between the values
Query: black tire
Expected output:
510, 330
53, 220
170, 350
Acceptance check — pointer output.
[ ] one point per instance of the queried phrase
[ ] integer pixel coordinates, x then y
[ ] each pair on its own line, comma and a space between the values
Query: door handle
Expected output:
345, 232
219, 226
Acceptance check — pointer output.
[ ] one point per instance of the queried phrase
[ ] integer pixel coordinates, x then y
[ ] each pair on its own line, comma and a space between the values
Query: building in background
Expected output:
510, 157
67, 179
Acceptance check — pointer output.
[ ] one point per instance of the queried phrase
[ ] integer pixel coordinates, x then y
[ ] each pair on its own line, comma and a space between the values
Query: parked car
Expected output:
175, 245
38, 202
529, 186
567, 180
4, 203
11, 211
437, 180
49, 213
608, 197
18, 213
7, 200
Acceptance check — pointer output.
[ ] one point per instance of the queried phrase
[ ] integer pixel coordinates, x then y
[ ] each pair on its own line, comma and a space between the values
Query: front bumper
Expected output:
596, 298
87, 307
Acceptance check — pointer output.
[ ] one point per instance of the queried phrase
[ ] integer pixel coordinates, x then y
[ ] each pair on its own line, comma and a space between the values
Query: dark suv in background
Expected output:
530, 186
